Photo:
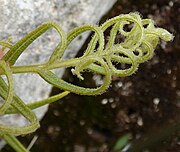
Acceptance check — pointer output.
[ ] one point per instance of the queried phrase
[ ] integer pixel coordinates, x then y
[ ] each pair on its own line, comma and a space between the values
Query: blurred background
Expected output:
144, 107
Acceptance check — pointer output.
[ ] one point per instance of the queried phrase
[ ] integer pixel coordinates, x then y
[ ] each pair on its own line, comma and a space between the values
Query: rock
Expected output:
17, 18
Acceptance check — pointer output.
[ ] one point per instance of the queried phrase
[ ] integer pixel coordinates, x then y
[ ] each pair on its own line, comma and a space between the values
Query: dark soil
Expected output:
145, 105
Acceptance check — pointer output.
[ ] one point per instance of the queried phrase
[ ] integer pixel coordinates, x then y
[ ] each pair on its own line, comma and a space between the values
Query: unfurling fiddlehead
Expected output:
137, 47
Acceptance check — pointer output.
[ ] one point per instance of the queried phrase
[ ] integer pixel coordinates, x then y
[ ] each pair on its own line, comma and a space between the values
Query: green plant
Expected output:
121, 142
138, 47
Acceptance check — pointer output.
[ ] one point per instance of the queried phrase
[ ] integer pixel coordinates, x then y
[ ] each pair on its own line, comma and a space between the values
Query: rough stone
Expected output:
17, 18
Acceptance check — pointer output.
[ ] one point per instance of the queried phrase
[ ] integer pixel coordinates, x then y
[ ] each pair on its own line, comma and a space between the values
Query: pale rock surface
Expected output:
17, 18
